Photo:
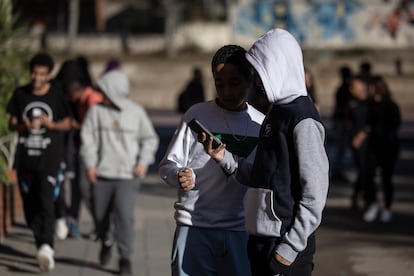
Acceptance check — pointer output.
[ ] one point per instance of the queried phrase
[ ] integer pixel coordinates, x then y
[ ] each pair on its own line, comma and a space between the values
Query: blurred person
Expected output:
210, 236
193, 92
81, 97
384, 120
118, 144
358, 115
341, 122
68, 69
365, 71
289, 178
84, 69
310, 85
111, 64
39, 113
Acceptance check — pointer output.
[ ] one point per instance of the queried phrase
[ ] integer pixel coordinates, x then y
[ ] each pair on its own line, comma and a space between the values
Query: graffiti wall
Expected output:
331, 23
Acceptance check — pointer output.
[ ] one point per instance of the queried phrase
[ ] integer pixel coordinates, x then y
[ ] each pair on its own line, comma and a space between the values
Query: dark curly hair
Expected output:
42, 59
235, 55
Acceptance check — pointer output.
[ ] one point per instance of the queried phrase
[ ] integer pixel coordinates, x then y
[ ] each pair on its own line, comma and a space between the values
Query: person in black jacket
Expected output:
358, 116
384, 120
193, 92
341, 122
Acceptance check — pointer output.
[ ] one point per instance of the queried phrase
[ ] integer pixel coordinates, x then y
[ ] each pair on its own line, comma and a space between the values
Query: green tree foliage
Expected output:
12, 66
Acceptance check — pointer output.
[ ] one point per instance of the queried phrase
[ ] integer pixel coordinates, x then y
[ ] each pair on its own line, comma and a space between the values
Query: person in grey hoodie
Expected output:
289, 178
118, 144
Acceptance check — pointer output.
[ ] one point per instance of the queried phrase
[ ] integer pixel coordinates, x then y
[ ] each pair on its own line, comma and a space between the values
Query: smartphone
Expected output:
198, 127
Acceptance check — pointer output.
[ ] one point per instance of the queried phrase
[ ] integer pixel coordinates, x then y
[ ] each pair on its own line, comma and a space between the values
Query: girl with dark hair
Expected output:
384, 119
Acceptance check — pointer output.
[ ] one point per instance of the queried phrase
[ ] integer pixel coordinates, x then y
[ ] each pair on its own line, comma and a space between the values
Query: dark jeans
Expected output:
38, 204
363, 167
384, 158
75, 191
263, 263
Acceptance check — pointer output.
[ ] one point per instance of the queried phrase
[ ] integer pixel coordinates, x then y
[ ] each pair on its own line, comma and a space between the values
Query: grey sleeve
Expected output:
309, 138
229, 163
90, 139
241, 167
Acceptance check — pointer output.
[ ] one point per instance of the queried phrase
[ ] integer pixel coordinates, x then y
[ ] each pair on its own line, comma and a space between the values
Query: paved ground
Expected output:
346, 245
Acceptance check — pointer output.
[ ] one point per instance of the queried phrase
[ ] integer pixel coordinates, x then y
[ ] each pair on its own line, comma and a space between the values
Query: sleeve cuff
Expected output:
228, 163
287, 252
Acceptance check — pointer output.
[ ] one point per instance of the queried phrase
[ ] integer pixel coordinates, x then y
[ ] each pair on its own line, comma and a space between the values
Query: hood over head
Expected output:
115, 85
277, 58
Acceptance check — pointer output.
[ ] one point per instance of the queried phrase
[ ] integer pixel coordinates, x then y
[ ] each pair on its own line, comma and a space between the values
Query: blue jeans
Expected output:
202, 252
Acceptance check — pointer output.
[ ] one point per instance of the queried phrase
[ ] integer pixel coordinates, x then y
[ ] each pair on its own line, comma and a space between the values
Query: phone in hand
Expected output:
198, 127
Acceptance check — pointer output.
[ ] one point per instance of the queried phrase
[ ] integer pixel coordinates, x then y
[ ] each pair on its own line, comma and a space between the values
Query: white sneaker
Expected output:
386, 215
45, 258
371, 213
61, 230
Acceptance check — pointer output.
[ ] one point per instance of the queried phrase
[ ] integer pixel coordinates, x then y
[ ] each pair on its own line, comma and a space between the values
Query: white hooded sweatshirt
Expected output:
277, 58
290, 176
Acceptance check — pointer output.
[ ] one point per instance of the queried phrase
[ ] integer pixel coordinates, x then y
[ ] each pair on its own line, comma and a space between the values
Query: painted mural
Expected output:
331, 23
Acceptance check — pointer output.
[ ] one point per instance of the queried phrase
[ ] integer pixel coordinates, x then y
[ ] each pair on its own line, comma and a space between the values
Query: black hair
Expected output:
360, 78
235, 55
345, 72
42, 59
70, 71
84, 69
70, 74
365, 67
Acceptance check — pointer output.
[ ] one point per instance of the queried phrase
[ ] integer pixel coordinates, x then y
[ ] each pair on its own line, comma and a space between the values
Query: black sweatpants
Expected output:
263, 262
36, 189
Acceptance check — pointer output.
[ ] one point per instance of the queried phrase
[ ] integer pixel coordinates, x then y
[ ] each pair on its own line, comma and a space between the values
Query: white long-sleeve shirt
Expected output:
216, 201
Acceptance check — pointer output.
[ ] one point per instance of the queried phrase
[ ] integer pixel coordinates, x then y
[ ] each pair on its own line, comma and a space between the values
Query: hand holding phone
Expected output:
198, 127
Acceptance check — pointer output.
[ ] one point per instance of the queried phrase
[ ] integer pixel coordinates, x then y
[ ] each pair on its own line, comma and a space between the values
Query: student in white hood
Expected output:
118, 144
289, 181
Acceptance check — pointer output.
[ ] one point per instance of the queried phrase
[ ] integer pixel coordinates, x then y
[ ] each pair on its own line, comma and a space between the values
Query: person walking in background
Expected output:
118, 144
68, 69
384, 120
81, 95
193, 92
290, 176
83, 63
358, 115
210, 236
112, 64
341, 122
39, 113
365, 71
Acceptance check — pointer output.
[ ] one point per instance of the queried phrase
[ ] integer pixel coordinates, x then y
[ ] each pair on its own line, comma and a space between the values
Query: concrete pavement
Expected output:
154, 232
346, 246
